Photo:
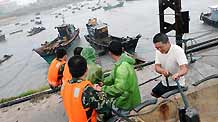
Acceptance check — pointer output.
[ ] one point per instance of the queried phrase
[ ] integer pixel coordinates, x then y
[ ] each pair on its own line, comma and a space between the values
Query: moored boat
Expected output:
14, 32
210, 18
35, 30
111, 6
67, 34
5, 58
2, 36
99, 38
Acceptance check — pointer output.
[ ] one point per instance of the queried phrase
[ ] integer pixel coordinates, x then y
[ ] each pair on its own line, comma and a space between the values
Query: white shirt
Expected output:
171, 62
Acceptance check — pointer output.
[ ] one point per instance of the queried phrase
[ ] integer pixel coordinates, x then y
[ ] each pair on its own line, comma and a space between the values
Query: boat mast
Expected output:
181, 24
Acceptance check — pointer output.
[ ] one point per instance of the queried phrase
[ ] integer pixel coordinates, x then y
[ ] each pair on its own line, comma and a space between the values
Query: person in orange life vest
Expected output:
81, 100
56, 68
66, 74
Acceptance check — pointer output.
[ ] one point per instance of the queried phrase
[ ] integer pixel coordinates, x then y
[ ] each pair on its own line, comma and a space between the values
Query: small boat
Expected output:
96, 8
67, 34
17, 23
211, 18
110, 6
2, 36
35, 30
5, 57
24, 24
99, 38
38, 20
17, 31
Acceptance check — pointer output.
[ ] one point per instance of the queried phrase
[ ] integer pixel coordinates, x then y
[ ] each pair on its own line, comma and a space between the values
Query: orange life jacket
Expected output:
66, 74
72, 100
53, 75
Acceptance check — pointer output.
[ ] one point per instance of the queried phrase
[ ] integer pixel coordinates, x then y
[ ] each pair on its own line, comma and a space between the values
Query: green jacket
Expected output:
95, 73
122, 84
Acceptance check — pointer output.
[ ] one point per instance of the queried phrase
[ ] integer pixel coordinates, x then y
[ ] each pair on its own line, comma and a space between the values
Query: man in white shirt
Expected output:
171, 62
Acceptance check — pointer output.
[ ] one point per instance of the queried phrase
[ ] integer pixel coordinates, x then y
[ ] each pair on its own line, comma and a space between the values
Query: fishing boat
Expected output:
109, 6
99, 38
2, 36
96, 7
67, 34
5, 58
38, 20
211, 18
17, 31
35, 30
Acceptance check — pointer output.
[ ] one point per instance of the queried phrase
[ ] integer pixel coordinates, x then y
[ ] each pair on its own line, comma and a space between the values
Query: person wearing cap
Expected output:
94, 70
56, 68
81, 101
170, 62
122, 83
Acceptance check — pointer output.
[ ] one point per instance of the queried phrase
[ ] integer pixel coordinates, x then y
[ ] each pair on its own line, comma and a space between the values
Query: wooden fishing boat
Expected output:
17, 31
210, 18
5, 58
96, 7
2, 36
99, 38
110, 6
35, 30
67, 34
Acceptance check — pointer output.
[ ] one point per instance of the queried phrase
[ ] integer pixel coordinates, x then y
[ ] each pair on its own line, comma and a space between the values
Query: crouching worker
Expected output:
122, 84
81, 101
56, 68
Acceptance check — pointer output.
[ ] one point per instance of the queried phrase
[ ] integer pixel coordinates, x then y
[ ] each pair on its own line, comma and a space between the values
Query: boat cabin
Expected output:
214, 13
65, 31
97, 29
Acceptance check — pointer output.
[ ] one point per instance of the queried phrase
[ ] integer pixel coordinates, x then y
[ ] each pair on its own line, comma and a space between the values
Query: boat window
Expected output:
72, 28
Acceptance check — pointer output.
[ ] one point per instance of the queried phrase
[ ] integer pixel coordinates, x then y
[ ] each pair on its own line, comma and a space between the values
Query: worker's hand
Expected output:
176, 76
97, 87
165, 73
100, 84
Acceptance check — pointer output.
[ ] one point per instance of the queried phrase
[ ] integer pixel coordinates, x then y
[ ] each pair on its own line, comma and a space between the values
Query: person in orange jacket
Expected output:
66, 74
56, 68
81, 100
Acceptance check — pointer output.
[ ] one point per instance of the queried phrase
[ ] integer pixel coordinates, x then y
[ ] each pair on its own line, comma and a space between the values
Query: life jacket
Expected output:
66, 74
54, 72
72, 100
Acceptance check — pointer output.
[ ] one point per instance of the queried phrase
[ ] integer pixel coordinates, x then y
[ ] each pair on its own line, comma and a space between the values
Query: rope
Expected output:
19, 72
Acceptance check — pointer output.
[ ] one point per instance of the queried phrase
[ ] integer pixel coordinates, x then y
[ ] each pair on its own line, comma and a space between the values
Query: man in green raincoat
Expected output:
94, 70
122, 83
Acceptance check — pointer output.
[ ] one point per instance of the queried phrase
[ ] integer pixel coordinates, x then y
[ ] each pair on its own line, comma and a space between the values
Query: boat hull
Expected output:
120, 4
2, 37
49, 55
128, 43
205, 19
31, 33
